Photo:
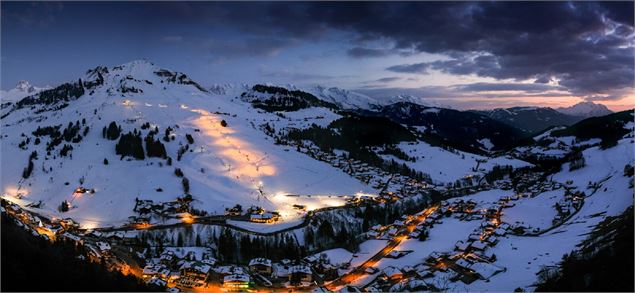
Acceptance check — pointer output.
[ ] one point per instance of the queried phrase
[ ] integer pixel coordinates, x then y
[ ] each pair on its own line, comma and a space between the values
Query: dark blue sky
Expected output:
467, 54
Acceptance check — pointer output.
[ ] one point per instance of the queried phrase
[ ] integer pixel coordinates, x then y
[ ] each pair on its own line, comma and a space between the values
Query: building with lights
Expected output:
236, 282
261, 266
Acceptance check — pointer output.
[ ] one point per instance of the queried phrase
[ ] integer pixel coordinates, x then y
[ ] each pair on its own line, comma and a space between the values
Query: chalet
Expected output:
172, 276
398, 253
234, 212
378, 228
195, 270
157, 282
119, 235
393, 232
55, 229
422, 271
493, 240
264, 217
93, 253
151, 271
280, 271
327, 270
74, 238
223, 271
93, 233
300, 275
463, 263
393, 273
167, 257
462, 245
143, 206
407, 269
478, 245
435, 257
474, 237
104, 247
236, 282
371, 270
398, 223
209, 261
260, 266
499, 231
69, 224
373, 234
486, 270
299, 207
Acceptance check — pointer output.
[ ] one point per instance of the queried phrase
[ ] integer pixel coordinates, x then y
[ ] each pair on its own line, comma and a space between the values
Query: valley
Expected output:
268, 188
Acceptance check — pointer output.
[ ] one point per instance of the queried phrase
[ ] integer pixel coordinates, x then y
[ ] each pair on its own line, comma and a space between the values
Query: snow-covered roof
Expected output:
392, 271
260, 261
157, 282
463, 263
236, 278
103, 246
300, 269
486, 270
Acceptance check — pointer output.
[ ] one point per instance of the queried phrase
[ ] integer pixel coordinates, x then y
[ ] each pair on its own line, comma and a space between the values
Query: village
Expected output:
189, 268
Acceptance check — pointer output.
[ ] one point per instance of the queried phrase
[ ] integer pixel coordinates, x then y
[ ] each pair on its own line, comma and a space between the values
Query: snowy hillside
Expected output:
225, 165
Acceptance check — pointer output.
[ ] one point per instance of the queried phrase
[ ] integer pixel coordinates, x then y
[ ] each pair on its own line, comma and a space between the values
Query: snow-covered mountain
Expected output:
344, 99
531, 119
225, 165
414, 100
460, 129
21, 90
585, 110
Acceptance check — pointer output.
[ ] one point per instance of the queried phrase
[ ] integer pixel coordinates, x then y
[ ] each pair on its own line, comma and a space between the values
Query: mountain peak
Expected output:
24, 86
585, 109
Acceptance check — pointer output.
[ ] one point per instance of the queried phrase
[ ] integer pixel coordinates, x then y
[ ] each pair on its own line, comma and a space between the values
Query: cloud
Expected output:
388, 79
495, 87
587, 46
362, 52
251, 46
289, 75
410, 68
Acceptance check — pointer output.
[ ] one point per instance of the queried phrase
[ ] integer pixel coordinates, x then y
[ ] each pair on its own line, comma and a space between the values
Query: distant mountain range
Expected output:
472, 130
530, 119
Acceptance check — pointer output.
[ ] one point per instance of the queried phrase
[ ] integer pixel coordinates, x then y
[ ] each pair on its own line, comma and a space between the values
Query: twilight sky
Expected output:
462, 54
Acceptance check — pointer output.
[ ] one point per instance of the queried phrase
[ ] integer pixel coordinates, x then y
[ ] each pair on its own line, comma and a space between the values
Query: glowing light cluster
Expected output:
243, 160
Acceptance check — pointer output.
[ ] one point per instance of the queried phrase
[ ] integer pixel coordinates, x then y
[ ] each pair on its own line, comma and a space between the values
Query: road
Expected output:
361, 270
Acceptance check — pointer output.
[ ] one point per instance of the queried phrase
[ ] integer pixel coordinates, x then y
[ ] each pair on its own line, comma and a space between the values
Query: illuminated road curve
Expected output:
360, 270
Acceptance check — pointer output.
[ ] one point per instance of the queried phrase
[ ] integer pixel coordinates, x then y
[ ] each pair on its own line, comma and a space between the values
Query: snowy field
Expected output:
534, 213
445, 166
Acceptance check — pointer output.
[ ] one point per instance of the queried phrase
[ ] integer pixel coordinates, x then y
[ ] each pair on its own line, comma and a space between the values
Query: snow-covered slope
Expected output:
225, 165
585, 109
